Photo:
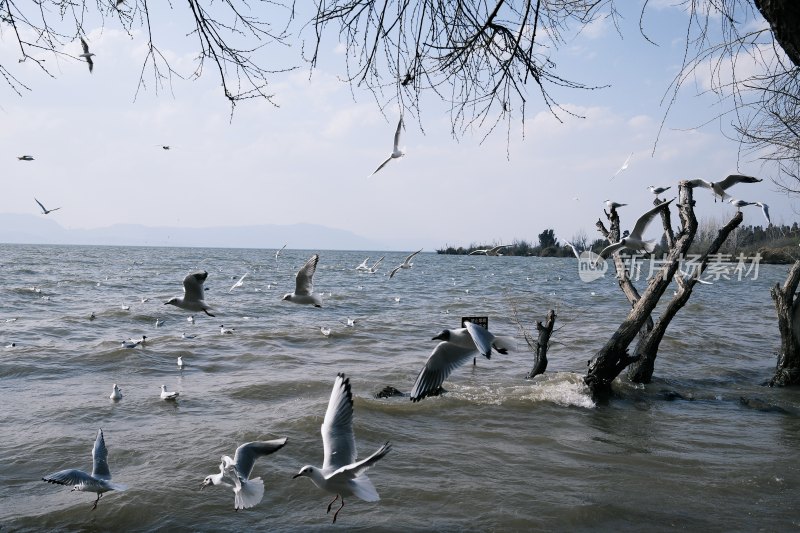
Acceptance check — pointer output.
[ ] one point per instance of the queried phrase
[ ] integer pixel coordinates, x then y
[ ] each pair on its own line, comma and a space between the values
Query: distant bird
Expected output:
490, 251
634, 241
133, 343
44, 209
405, 264
326, 332
92, 316
193, 294
396, 151
116, 393
99, 481
180, 362
159, 322
574, 250
658, 190
623, 167
304, 285
718, 188
25, 157
613, 205
457, 346
375, 265
363, 265
87, 54
123, 306
239, 283
277, 253
351, 322
225, 331
342, 473
190, 319
165, 146
12, 345
765, 209
168, 395
247, 492
185, 336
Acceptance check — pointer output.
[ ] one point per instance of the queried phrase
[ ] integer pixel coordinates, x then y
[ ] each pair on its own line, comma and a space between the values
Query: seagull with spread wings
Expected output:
87, 54
397, 152
44, 209
304, 285
718, 188
193, 298
635, 241
405, 264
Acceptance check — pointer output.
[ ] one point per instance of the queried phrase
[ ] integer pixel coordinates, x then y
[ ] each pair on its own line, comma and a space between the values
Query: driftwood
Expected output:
787, 371
614, 357
540, 345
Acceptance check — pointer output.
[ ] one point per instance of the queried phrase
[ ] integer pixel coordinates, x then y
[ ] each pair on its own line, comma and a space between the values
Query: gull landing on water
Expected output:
304, 285
193, 294
99, 481
247, 492
396, 151
45, 211
342, 473
87, 54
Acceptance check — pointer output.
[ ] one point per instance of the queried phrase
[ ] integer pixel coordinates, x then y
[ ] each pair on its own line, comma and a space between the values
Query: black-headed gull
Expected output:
458, 346
239, 283
87, 54
634, 241
25, 157
342, 473
718, 188
658, 190
168, 395
193, 298
375, 265
225, 331
363, 265
623, 167
397, 152
489, 251
613, 205
45, 211
133, 343
405, 264
247, 492
99, 481
304, 285
765, 209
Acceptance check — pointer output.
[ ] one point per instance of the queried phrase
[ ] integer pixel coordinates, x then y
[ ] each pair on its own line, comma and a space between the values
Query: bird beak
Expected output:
439, 337
296, 476
203, 485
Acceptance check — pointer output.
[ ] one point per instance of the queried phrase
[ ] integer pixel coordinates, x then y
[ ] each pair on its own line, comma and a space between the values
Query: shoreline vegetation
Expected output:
775, 244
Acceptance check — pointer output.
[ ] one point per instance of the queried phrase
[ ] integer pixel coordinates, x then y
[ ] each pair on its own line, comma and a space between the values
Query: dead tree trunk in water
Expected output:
540, 345
613, 358
787, 371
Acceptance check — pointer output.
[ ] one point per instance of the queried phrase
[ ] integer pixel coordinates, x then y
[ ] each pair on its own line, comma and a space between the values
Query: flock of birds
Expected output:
342, 473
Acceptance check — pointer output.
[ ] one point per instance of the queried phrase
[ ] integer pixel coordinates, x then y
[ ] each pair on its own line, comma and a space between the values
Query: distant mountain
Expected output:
32, 229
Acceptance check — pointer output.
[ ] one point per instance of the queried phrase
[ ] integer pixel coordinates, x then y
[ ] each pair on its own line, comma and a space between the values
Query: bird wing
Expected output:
100, 458
381, 165
304, 283
193, 285
411, 256
394, 271
481, 337
733, 179
623, 167
338, 439
645, 219
378, 262
40, 205
238, 283
765, 209
246, 454
397, 134
608, 250
91, 64
477, 252
355, 469
445, 358
69, 477
574, 250
699, 183
363, 263
496, 249
84, 46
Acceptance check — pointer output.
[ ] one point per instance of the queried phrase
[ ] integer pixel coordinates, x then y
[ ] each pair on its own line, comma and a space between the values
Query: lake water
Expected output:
496, 453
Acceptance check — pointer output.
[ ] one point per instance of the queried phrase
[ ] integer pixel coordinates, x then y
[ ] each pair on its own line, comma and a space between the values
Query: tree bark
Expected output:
787, 371
784, 20
540, 346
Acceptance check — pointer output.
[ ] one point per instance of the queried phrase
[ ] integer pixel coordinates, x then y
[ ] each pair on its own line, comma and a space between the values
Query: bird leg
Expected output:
206, 312
330, 504
97, 500
337, 511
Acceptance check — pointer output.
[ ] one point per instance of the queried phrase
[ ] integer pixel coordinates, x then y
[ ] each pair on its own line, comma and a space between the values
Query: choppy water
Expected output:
496, 453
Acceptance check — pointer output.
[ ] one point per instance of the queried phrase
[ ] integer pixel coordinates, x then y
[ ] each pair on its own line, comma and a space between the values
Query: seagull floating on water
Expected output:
99, 481
718, 188
193, 295
116, 393
342, 473
457, 347
326, 332
247, 492
180, 363
225, 331
168, 395
133, 343
405, 264
634, 241
87, 54
46, 211
396, 151
304, 285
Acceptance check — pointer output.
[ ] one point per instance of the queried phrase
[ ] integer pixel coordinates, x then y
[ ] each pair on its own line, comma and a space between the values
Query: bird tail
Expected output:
363, 488
503, 344
117, 486
649, 246
249, 493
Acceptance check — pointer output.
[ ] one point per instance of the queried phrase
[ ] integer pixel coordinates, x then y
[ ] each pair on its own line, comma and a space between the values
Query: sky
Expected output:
97, 144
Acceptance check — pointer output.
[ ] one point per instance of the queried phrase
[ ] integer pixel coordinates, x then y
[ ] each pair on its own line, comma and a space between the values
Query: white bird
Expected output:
247, 492
457, 347
238, 283
396, 151
304, 285
12, 345
123, 306
351, 322
225, 331
99, 481
25, 157
159, 322
190, 320
116, 393
374, 267
739, 204
133, 343
180, 362
185, 336
342, 473
363, 265
764, 209
278, 252
326, 332
574, 250
718, 188
45, 210
168, 395
634, 241
405, 264
658, 190
87, 54
193, 298
490, 251
613, 205
623, 167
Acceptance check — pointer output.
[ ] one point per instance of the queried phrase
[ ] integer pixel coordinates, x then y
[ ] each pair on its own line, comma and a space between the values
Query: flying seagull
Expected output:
25, 157
342, 473
457, 347
87, 54
239, 283
375, 265
44, 209
304, 285
623, 167
396, 151
765, 209
247, 492
193, 294
718, 188
363, 265
99, 481
490, 251
634, 241
405, 264
277, 253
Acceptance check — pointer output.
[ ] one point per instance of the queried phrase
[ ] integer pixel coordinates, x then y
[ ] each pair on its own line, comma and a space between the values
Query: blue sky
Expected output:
98, 152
